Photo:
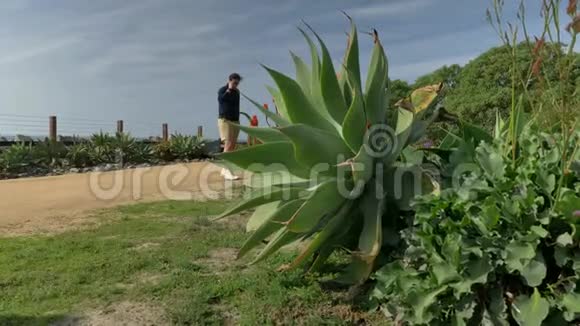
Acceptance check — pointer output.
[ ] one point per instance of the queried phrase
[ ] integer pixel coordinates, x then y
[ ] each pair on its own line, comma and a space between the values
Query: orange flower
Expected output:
537, 66
266, 106
538, 47
572, 7
254, 121
574, 26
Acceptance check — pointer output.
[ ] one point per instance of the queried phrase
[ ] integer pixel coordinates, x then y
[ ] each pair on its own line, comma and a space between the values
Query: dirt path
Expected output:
42, 203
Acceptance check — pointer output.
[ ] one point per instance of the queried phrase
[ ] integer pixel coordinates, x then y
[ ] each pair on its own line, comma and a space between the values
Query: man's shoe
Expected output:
228, 175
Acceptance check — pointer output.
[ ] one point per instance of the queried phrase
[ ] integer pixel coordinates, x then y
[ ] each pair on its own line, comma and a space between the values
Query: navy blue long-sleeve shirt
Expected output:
229, 104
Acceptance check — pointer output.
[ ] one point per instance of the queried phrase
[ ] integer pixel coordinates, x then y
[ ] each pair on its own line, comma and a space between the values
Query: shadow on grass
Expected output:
19, 320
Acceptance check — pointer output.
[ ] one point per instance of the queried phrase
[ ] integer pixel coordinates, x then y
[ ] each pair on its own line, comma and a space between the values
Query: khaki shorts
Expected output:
228, 132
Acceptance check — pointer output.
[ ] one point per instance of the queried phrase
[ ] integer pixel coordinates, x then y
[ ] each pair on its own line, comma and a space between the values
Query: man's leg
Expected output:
227, 133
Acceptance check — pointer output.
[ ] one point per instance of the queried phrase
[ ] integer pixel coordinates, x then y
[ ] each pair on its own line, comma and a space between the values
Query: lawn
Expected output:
161, 263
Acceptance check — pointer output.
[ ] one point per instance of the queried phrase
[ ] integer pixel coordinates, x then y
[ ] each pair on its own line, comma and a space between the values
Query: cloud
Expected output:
389, 8
413, 69
37, 51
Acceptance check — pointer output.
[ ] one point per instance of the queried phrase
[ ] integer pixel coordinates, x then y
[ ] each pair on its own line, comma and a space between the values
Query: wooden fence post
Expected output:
120, 126
165, 131
52, 129
200, 131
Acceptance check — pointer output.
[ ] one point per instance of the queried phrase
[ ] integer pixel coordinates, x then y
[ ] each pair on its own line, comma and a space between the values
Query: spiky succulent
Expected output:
328, 174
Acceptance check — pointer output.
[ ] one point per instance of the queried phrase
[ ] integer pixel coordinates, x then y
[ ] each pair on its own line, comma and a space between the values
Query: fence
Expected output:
53, 127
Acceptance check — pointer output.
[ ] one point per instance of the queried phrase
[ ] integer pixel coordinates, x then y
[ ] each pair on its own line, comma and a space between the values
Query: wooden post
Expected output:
165, 131
52, 128
120, 126
200, 131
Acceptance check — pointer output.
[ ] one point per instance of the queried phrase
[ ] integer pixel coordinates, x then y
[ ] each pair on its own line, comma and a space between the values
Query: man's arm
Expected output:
224, 95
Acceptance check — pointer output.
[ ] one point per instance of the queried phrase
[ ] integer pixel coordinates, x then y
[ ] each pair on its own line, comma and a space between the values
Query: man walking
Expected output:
229, 114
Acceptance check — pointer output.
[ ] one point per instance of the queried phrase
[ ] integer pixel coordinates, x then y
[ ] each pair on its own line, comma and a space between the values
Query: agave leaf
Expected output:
375, 94
272, 223
363, 167
263, 196
370, 239
261, 214
263, 134
313, 146
279, 120
303, 74
331, 92
279, 103
329, 230
282, 238
299, 108
351, 62
315, 91
325, 199
354, 124
269, 157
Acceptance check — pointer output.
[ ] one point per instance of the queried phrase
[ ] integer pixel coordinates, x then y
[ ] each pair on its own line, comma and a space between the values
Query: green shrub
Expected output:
500, 247
17, 158
163, 152
49, 154
102, 148
185, 147
141, 153
80, 155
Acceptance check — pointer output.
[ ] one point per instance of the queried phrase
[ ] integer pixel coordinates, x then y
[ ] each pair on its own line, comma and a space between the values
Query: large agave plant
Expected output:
329, 171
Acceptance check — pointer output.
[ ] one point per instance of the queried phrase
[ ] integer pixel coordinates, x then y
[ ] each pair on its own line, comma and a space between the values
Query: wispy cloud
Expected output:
22, 55
414, 69
389, 8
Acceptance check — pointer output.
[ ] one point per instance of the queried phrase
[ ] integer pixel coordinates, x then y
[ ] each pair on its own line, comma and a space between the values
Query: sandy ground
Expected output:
44, 204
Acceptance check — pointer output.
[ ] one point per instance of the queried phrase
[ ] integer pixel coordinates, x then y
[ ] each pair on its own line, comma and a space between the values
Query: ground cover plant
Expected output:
500, 245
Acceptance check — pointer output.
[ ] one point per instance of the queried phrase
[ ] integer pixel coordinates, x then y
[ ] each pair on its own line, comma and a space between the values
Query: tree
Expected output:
398, 89
445, 74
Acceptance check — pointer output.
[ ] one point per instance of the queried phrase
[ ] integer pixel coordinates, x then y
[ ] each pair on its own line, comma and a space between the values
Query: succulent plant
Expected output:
329, 173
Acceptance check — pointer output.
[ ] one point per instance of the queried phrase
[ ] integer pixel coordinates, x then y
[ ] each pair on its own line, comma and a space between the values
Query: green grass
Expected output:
157, 254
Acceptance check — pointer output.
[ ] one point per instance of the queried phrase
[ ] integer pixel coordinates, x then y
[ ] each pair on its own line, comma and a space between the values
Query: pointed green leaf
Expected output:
375, 93
334, 226
324, 200
269, 157
530, 311
261, 214
352, 63
299, 108
282, 238
303, 74
354, 124
279, 120
280, 107
263, 196
313, 146
331, 92
265, 135
272, 223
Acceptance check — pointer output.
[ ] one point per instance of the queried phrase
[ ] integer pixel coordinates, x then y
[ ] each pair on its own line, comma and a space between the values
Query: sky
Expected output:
92, 62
